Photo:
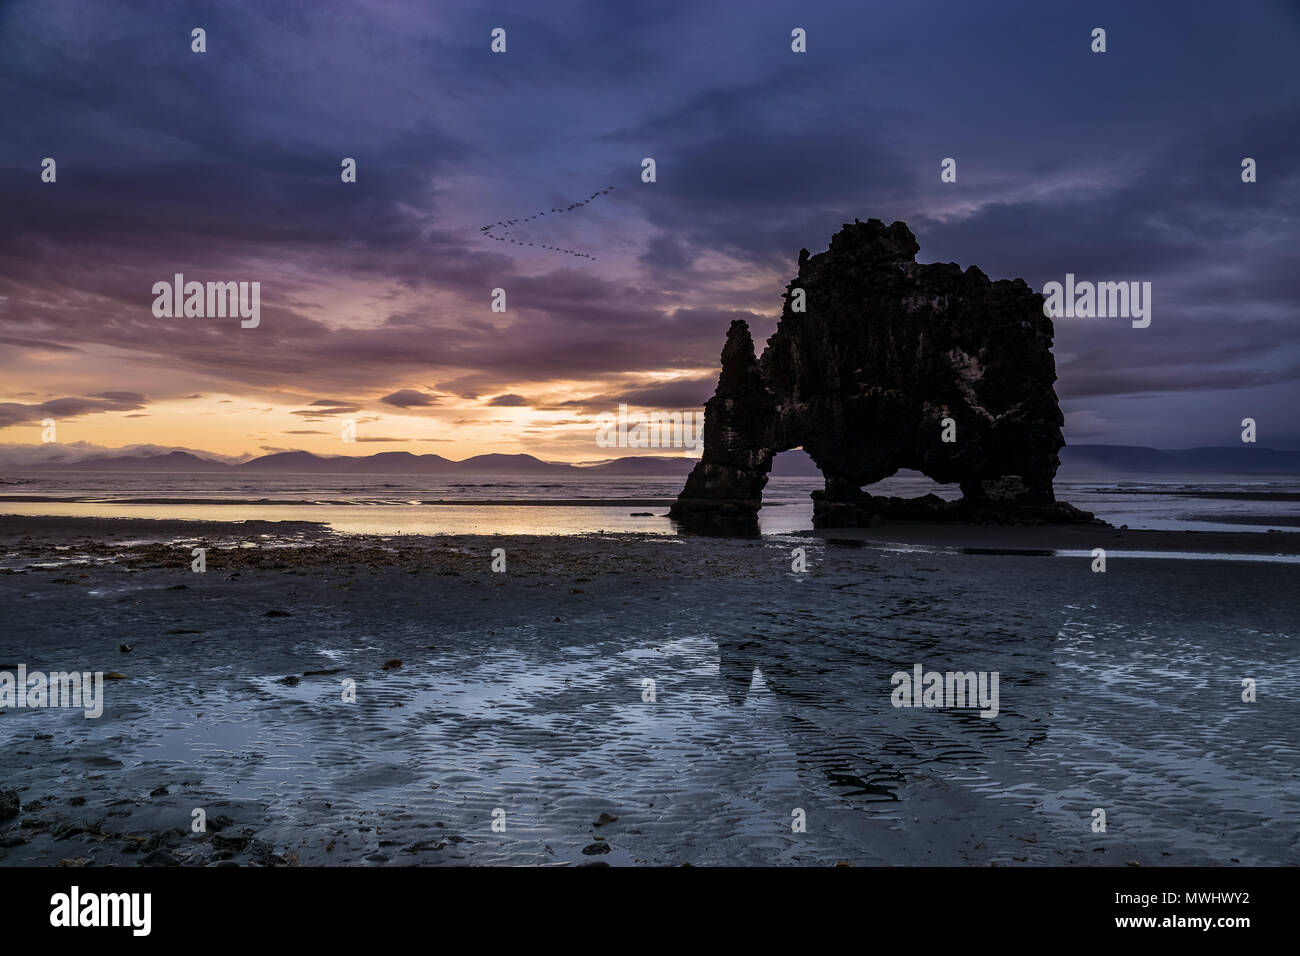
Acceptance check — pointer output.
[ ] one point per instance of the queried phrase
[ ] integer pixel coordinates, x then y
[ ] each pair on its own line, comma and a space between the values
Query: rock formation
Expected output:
875, 361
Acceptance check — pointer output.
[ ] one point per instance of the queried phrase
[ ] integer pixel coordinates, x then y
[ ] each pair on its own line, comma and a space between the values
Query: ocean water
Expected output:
397, 504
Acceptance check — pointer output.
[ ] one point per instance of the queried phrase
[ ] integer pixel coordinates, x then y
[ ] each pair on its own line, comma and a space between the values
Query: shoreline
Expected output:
298, 502
32, 532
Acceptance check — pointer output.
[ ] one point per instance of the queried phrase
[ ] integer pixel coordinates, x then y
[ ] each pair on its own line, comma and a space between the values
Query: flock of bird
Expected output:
507, 224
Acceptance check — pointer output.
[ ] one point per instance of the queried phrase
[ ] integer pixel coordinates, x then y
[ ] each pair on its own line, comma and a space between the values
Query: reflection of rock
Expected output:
826, 669
736, 665
864, 379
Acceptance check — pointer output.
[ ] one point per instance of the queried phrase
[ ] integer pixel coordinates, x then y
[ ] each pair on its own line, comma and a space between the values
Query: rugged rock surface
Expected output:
864, 378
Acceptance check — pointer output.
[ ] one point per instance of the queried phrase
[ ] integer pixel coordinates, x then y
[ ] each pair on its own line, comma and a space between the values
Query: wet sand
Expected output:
523, 691
1071, 538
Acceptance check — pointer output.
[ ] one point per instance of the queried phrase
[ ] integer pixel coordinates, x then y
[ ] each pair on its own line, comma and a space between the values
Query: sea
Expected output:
490, 504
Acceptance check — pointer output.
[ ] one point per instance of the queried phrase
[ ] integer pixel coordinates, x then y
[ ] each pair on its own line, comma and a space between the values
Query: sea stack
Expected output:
879, 363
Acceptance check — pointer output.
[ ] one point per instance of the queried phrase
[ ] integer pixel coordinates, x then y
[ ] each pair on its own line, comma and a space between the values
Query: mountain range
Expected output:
1075, 459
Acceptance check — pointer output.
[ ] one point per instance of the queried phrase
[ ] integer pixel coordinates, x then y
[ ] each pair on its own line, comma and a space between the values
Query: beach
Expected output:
520, 698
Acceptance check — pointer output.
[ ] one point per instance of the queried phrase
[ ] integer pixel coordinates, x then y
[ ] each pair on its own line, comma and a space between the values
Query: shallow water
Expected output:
772, 694
392, 504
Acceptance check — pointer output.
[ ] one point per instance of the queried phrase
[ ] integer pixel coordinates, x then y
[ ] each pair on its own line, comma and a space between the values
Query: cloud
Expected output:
409, 398
370, 286
313, 412
685, 393
13, 413
36, 344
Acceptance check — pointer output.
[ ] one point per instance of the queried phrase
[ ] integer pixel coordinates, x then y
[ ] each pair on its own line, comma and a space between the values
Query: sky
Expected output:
376, 295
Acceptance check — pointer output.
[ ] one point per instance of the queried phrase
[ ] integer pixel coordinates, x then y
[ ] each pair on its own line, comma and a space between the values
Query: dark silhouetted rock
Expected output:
886, 349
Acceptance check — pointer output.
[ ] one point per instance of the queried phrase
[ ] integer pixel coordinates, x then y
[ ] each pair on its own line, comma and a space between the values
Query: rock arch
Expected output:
886, 350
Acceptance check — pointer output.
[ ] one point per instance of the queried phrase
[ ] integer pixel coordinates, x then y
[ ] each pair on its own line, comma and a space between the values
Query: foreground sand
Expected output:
523, 691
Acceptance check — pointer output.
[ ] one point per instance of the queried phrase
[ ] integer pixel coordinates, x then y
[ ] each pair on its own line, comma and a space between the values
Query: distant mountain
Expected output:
511, 465
1077, 459
294, 461
174, 462
384, 463
650, 465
